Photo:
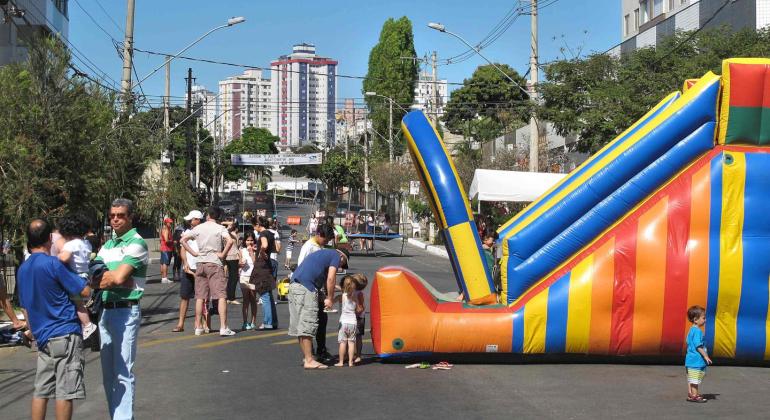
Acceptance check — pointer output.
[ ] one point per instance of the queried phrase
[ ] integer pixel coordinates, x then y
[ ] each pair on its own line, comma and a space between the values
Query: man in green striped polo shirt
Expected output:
126, 257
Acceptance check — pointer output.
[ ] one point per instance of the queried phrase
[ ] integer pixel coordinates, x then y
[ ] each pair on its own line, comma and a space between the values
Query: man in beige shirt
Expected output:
213, 245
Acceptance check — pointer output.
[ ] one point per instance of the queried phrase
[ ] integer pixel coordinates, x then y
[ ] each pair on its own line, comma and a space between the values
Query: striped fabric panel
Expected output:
535, 321
752, 313
556, 324
580, 304
730, 254
677, 266
602, 292
650, 279
715, 223
624, 287
698, 245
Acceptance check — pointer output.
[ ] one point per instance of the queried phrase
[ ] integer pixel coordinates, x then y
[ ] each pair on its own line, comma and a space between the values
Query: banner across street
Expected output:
284, 159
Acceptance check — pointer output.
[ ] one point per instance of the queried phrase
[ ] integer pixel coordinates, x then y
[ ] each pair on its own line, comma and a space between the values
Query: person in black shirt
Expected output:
262, 274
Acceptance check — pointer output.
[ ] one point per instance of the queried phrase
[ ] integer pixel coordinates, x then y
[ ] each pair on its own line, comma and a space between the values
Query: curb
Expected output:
431, 249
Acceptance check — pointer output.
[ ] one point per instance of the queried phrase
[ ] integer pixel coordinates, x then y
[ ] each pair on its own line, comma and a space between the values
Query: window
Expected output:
657, 7
626, 26
644, 9
671, 5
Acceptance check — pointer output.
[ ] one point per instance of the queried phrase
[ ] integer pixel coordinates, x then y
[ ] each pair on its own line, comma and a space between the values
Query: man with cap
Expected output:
317, 269
166, 249
210, 283
187, 282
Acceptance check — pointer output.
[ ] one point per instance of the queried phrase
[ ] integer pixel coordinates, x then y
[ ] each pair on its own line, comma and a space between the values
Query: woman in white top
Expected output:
246, 262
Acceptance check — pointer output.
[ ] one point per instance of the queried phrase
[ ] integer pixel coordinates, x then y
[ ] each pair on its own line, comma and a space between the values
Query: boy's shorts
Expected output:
60, 369
347, 333
695, 375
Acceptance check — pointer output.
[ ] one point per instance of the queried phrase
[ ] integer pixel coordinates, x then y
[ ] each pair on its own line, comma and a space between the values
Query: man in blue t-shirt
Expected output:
317, 269
45, 286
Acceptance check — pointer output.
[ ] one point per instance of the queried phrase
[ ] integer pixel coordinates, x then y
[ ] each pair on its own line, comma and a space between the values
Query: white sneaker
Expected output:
165, 281
198, 331
226, 332
88, 330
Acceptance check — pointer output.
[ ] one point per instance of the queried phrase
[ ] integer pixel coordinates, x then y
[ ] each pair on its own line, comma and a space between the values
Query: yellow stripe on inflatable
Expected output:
430, 187
535, 320
579, 309
590, 160
703, 84
730, 254
471, 264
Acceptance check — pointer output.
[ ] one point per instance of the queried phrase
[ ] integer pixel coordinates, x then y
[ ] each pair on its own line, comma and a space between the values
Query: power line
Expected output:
120, 29
94, 21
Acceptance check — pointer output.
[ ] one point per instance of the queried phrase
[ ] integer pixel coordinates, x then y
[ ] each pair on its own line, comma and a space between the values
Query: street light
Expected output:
390, 123
230, 22
534, 132
441, 28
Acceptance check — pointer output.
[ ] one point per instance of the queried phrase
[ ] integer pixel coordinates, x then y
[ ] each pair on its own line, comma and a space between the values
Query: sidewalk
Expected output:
439, 250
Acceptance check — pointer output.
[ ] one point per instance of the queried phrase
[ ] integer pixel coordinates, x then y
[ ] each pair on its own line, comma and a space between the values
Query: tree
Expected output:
59, 150
392, 177
392, 76
337, 171
488, 104
252, 141
602, 95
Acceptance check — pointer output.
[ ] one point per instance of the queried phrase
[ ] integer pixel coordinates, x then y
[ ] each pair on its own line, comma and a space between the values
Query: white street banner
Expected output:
283, 159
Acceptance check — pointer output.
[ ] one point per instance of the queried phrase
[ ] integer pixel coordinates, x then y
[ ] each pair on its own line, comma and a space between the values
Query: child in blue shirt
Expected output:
697, 358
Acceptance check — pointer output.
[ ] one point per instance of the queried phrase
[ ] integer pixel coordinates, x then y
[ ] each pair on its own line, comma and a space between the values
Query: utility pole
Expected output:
434, 64
534, 133
366, 161
197, 155
128, 54
188, 131
167, 97
390, 131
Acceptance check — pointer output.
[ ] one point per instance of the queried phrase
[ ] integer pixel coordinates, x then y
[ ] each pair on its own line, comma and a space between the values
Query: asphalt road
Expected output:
258, 375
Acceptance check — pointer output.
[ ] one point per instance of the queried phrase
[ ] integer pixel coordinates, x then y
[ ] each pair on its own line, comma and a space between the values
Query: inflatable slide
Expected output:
673, 212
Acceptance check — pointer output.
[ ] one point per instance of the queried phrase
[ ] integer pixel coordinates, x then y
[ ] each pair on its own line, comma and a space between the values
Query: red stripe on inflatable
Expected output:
622, 326
575, 260
753, 90
677, 266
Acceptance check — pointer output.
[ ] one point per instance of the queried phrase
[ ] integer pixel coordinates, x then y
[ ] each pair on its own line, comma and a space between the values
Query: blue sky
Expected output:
345, 30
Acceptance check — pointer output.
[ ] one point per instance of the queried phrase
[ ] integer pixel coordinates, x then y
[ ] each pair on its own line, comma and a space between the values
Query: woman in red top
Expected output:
166, 248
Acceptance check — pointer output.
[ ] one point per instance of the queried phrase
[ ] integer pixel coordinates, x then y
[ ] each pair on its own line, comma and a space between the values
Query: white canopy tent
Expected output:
492, 185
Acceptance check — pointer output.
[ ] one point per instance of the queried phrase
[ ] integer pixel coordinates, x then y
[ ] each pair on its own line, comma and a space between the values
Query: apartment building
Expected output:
246, 100
305, 90
430, 97
21, 20
645, 22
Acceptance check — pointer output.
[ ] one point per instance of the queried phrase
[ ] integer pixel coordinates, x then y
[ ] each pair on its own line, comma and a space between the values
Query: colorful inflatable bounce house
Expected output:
673, 212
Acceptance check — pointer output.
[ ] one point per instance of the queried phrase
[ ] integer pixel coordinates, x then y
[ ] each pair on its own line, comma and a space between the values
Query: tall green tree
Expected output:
488, 104
59, 150
337, 171
392, 76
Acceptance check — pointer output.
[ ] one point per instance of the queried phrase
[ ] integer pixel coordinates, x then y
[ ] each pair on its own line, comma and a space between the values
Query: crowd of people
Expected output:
69, 284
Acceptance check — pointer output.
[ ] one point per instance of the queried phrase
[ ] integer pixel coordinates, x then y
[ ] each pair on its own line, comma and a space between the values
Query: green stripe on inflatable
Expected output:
748, 125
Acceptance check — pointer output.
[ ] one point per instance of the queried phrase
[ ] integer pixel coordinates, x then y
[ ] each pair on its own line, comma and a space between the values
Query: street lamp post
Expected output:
230, 22
534, 133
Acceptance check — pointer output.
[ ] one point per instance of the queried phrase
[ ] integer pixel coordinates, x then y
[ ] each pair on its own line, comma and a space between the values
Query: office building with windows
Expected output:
430, 97
305, 90
246, 100
21, 20
645, 22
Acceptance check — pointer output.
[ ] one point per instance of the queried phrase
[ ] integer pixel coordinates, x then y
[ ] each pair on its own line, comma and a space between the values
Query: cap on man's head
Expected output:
346, 253
194, 214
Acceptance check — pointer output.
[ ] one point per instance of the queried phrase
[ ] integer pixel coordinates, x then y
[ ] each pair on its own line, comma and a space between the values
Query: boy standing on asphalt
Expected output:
45, 285
697, 358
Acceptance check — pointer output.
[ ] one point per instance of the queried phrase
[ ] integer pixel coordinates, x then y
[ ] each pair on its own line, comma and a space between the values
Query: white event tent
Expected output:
493, 185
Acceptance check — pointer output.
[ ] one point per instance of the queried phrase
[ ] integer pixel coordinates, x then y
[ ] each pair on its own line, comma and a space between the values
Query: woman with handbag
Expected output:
262, 274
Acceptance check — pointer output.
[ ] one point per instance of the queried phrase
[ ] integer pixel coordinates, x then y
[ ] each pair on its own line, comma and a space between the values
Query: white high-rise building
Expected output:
206, 106
246, 100
305, 87
430, 97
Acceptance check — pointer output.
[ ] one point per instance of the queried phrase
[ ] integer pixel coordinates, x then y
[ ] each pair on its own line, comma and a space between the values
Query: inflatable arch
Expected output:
673, 212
